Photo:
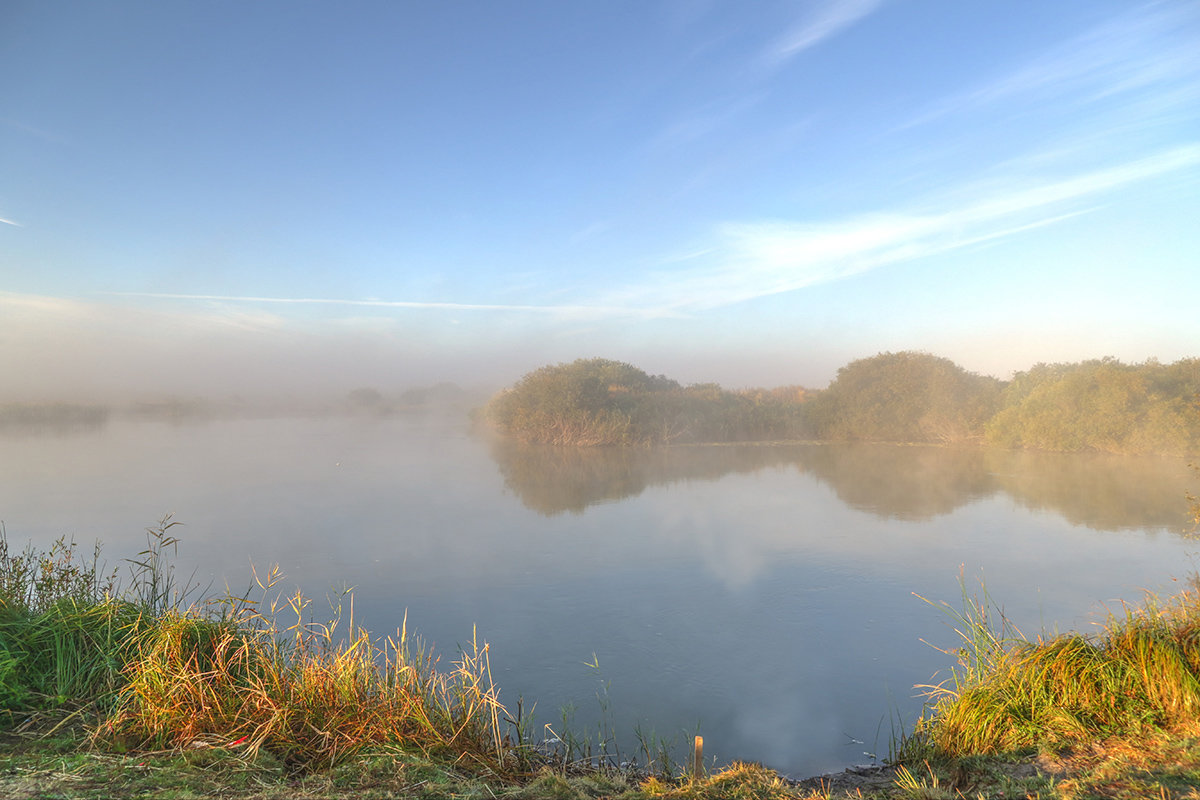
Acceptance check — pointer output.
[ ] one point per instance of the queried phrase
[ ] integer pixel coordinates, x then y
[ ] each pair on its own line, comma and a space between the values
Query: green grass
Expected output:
160, 675
1140, 675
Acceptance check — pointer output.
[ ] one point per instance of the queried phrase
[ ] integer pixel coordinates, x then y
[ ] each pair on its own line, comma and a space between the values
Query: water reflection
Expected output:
763, 592
913, 483
21, 419
553, 480
897, 482
1099, 491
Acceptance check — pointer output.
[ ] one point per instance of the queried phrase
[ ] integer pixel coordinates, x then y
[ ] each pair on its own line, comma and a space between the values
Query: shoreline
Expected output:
114, 690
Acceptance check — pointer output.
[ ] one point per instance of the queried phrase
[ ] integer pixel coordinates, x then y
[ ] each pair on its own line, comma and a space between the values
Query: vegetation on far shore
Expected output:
601, 402
1100, 405
71, 417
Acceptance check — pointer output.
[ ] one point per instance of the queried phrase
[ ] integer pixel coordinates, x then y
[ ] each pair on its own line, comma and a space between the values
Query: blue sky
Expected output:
215, 196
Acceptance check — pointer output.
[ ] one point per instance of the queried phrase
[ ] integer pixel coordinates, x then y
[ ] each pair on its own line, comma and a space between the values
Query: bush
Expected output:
602, 402
1102, 405
905, 397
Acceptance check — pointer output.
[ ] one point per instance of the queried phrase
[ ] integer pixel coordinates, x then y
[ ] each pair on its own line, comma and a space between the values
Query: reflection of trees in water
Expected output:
1100, 491
55, 418
896, 482
902, 482
551, 479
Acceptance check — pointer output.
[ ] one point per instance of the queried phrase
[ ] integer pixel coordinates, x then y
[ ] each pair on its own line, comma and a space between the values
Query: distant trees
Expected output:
598, 401
1102, 405
52, 415
588, 402
905, 397
366, 399
440, 397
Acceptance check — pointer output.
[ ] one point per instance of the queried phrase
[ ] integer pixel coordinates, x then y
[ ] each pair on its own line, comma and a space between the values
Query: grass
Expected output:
158, 675
1069, 716
111, 689
1140, 675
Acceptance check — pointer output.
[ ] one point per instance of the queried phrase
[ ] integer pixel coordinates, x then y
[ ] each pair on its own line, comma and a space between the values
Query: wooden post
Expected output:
698, 759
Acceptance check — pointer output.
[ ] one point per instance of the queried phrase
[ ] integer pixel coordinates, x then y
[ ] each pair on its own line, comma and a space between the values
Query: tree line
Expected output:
602, 402
1098, 405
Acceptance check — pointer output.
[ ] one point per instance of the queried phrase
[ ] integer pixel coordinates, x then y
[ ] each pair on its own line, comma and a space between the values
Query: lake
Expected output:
763, 596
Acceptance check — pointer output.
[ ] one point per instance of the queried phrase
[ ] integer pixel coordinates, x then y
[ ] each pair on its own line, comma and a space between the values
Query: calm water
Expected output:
761, 595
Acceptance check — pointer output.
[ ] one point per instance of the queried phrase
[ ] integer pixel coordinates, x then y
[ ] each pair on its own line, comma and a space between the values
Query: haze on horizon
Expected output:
286, 198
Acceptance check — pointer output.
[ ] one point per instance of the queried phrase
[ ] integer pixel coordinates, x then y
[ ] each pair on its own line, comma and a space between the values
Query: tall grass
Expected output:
156, 674
311, 700
31, 580
62, 636
152, 583
1010, 694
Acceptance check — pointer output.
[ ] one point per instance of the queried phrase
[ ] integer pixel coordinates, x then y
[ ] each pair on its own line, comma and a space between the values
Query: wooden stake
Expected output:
698, 759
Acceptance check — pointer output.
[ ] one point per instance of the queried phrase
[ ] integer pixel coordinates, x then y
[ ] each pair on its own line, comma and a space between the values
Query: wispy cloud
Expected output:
76, 314
749, 260
578, 311
1137, 51
11, 222
703, 121
33, 131
827, 20
756, 259
597, 228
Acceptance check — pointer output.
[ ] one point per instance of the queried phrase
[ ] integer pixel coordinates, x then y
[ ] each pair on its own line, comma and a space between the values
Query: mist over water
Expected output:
763, 595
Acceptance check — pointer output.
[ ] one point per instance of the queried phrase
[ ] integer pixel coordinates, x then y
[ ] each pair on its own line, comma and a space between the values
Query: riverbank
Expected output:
66, 765
118, 691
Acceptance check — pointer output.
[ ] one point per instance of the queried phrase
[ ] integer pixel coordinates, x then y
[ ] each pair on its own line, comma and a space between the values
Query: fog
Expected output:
115, 350
70, 350
83, 350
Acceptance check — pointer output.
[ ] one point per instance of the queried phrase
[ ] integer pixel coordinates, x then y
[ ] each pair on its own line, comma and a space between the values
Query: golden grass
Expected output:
1141, 673
310, 698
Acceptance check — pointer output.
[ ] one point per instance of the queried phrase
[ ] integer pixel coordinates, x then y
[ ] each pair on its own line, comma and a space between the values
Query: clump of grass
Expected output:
62, 635
739, 781
304, 693
71, 653
226, 674
914, 787
1010, 694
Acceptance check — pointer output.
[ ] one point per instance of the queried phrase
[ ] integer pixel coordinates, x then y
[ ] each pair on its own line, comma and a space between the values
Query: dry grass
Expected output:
305, 694
1141, 674
226, 674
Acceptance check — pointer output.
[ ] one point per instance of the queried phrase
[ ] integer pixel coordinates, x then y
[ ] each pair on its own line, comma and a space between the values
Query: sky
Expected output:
295, 197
